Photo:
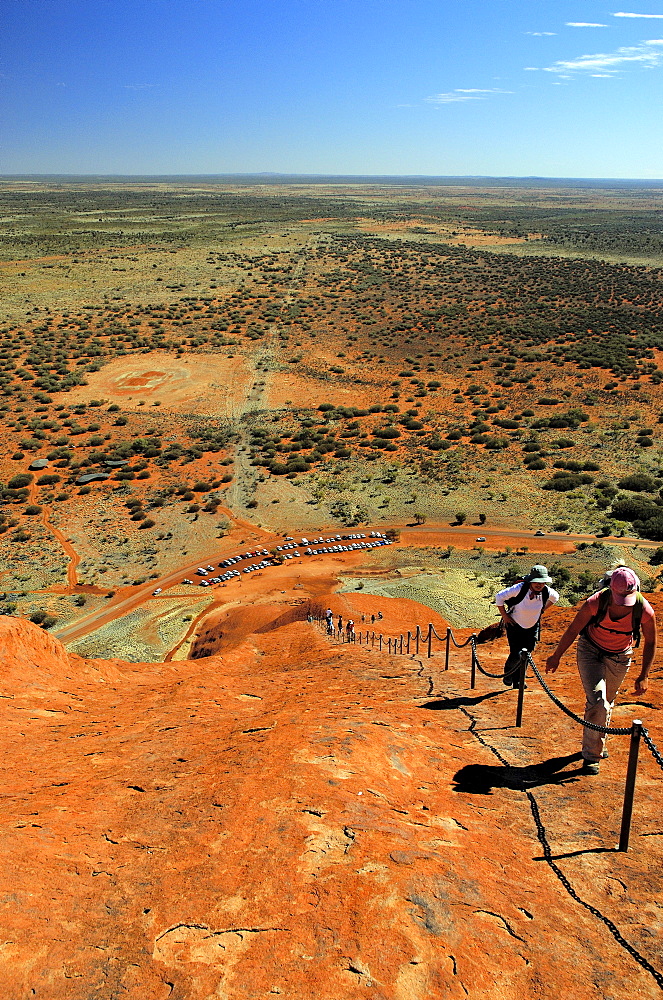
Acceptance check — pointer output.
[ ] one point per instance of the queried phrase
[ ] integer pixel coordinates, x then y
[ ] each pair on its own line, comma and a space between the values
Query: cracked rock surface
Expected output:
300, 818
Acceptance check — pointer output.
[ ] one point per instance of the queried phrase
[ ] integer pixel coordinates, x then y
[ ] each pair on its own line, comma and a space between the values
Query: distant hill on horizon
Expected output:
400, 179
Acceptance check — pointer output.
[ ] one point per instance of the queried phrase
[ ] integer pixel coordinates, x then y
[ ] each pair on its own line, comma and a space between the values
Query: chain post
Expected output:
380, 646
401, 649
473, 676
629, 790
522, 670
446, 651
416, 639
430, 639
409, 636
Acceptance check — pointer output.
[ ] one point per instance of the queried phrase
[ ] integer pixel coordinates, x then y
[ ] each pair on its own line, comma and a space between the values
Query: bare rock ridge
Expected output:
299, 818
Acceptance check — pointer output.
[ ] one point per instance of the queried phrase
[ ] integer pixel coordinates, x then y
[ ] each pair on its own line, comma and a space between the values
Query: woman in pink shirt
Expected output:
605, 647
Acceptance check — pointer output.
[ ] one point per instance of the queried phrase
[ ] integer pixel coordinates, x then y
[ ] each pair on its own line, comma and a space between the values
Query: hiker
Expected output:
330, 626
522, 606
380, 616
350, 630
340, 623
608, 627
329, 616
372, 619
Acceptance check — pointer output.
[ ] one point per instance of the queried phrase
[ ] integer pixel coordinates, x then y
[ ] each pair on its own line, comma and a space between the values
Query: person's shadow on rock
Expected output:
443, 704
481, 779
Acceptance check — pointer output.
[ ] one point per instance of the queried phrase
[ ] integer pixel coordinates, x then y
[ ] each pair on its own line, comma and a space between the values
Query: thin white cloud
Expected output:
541, 34
657, 17
643, 56
584, 24
465, 94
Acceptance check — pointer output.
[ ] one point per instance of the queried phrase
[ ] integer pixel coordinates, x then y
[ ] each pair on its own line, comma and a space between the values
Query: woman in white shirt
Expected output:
522, 606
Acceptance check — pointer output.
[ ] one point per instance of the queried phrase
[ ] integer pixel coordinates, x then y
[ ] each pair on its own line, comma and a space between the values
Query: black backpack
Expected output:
602, 610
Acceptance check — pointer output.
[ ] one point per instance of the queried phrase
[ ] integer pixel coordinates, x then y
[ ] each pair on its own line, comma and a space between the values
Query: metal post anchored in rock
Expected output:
473, 675
522, 670
629, 790
430, 639
446, 650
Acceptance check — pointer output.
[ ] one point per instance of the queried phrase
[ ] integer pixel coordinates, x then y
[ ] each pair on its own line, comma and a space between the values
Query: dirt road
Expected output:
440, 535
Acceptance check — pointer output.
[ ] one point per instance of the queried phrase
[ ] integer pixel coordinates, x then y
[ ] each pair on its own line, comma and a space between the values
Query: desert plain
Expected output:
204, 795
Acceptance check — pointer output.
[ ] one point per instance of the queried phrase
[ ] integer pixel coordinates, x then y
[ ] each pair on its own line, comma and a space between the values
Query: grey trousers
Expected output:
601, 675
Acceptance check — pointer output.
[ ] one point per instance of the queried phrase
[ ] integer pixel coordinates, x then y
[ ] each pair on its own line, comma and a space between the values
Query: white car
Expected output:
155, 592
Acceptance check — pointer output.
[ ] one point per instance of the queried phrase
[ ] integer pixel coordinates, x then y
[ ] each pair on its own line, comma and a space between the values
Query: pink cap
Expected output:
624, 585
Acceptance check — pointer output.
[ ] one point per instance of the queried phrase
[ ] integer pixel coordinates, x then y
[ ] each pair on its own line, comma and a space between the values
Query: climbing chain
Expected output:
655, 752
458, 645
610, 730
476, 659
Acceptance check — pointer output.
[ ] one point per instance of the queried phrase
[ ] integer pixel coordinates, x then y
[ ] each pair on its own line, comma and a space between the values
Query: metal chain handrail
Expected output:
655, 752
459, 645
476, 660
609, 730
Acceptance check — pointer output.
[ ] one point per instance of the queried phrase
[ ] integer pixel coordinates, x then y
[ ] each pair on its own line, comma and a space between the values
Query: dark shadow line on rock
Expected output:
443, 704
576, 854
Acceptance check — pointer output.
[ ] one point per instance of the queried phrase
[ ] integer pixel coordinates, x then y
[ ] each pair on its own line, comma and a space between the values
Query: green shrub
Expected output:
638, 482
20, 481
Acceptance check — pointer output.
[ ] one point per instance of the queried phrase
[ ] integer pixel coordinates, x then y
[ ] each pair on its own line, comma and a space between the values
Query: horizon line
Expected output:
278, 176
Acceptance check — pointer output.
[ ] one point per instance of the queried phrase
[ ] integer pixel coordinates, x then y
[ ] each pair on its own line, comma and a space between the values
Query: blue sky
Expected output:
571, 88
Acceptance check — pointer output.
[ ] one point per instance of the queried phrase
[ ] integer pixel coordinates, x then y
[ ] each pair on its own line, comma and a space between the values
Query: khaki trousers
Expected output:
601, 675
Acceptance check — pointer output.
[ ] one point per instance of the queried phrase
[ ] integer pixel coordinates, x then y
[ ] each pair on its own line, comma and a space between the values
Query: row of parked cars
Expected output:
312, 547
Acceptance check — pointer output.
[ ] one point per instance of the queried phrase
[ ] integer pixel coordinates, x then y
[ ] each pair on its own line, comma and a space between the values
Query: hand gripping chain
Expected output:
612, 731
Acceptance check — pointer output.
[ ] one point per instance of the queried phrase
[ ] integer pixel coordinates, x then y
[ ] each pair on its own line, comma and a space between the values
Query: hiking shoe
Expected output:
508, 680
590, 767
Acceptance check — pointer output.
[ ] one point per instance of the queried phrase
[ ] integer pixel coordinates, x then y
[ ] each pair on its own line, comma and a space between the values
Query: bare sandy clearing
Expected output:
211, 384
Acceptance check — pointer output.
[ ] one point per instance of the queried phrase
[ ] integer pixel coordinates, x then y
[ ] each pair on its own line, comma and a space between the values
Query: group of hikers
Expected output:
349, 625
608, 628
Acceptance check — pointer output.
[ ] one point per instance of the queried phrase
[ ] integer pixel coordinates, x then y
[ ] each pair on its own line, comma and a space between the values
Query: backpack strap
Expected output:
522, 594
636, 618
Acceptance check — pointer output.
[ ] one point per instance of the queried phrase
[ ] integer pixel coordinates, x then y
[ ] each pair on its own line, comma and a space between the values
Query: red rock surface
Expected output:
305, 819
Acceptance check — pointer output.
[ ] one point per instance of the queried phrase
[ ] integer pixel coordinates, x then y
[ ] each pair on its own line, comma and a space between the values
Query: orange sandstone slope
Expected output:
303, 819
